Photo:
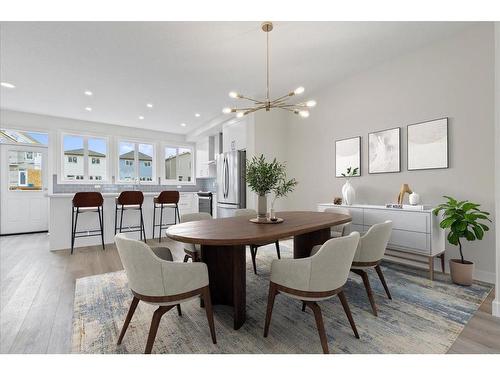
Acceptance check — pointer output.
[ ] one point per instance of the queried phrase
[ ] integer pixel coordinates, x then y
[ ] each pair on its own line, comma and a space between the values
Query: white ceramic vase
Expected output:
348, 193
414, 199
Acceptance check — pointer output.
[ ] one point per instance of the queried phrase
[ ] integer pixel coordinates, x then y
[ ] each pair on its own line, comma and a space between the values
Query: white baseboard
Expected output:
488, 277
495, 307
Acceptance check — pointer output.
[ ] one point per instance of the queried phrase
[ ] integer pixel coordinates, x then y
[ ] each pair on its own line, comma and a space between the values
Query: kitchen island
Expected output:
60, 218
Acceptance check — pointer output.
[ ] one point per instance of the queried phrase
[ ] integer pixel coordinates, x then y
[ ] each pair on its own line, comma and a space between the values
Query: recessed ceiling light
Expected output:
88, 109
88, 93
141, 117
183, 124
7, 85
149, 105
197, 115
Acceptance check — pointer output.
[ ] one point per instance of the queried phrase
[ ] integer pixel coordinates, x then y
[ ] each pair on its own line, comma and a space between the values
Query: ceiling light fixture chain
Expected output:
300, 109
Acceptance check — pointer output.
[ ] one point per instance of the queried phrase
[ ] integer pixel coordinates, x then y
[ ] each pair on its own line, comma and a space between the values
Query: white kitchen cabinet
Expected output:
205, 158
234, 136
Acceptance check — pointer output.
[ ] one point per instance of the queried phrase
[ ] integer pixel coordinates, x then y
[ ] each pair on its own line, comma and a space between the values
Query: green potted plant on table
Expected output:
264, 177
462, 218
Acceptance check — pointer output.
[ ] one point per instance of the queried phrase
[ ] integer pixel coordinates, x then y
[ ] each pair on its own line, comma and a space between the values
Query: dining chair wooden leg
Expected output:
347, 311
186, 258
382, 279
270, 302
253, 253
319, 323
208, 310
131, 310
364, 277
303, 306
179, 311
277, 243
155, 322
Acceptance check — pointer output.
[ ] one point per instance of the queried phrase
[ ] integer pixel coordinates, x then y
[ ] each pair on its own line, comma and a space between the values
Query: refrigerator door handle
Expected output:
227, 177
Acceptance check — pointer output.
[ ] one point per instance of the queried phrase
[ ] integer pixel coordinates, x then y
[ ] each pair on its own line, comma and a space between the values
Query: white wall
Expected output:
54, 125
496, 302
453, 78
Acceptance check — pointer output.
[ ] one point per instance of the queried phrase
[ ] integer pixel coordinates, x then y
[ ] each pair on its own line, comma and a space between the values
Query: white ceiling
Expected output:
185, 68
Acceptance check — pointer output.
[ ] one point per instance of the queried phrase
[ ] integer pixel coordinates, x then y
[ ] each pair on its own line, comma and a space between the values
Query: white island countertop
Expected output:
114, 194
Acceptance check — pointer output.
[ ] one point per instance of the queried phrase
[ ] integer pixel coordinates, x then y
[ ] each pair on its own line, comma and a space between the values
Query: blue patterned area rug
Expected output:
423, 317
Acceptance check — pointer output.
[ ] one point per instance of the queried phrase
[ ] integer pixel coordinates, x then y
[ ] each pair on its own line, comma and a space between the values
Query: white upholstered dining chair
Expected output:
341, 229
316, 278
371, 249
161, 282
254, 247
193, 251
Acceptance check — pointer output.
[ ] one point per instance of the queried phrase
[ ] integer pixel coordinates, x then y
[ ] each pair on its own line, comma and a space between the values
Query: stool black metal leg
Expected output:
142, 226
72, 228
154, 220
116, 216
121, 219
74, 231
161, 221
178, 214
101, 225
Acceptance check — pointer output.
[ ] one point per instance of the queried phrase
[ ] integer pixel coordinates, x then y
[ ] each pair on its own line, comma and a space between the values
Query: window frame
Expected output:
86, 159
136, 142
178, 145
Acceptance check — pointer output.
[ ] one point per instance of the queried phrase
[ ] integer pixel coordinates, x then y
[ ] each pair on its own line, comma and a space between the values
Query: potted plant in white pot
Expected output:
348, 192
263, 177
281, 190
462, 218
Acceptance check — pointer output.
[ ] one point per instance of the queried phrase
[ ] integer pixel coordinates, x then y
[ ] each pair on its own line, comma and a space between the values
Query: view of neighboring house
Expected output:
74, 165
127, 167
25, 170
178, 167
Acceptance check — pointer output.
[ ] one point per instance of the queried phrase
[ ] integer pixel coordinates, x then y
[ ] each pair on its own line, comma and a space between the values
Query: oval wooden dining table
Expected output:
223, 243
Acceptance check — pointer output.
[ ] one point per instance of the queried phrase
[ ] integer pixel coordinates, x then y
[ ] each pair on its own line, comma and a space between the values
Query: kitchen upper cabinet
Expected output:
205, 164
234, 136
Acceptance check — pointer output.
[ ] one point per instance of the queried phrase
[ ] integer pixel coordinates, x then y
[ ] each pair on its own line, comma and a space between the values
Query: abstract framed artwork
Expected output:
348, 155
384, 151
427, 145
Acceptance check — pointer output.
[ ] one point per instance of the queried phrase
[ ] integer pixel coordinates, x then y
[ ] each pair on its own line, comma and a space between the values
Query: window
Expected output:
178, 164
84, 158
97, 158
17, 136
25, 170
136, 161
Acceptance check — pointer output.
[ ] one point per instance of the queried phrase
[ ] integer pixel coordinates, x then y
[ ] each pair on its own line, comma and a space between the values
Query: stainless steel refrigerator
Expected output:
231, 184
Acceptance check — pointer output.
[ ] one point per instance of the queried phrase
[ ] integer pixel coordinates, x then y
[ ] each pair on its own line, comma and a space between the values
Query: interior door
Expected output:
24, 205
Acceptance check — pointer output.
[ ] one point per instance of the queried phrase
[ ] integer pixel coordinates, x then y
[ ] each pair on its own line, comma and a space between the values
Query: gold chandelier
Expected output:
301, 109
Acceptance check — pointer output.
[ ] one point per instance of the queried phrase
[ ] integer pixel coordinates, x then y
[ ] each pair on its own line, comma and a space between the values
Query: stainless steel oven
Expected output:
205, 200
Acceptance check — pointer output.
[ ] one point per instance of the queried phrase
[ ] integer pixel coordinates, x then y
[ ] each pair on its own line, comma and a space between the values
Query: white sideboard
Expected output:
415, 233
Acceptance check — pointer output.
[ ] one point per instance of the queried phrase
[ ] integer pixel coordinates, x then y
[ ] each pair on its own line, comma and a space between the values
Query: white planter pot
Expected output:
348, 193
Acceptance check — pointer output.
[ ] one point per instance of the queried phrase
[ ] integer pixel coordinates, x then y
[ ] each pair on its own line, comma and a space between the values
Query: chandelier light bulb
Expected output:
304, 114
226, 110
298, 90
239, 114
311, 103
234, 95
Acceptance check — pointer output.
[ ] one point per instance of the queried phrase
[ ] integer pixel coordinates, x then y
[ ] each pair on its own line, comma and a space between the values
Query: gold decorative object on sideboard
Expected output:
404, 189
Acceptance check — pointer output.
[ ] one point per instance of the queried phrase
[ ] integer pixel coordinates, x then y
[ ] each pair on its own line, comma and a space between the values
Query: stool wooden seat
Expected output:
166, 199
130, 200
87, 202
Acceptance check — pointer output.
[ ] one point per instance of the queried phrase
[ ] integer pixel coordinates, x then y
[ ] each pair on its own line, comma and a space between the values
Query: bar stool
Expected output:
130, 200
166, 199
87, 202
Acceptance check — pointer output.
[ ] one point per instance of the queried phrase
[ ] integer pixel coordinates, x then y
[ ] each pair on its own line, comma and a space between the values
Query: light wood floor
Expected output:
37, 292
